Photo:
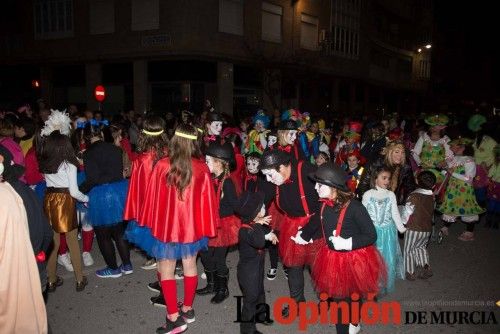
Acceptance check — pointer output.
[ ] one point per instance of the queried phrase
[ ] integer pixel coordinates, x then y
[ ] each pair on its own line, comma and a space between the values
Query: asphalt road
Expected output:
466, 279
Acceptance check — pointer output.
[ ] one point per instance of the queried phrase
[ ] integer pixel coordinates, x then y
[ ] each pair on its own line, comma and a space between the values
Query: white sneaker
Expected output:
87, 259
65, 261
149, 264
203, 275
354, 329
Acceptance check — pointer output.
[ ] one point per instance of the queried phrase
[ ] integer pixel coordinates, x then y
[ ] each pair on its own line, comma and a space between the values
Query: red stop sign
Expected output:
100, 93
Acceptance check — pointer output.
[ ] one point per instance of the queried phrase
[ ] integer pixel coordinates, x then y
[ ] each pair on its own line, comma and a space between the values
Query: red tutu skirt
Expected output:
276, 216
340, 274
227, 232
291, 254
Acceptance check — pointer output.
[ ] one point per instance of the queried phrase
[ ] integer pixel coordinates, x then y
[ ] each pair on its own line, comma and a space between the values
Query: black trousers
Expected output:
296, 283
214, 259
273, 252
105, 236
251, 280
343, 328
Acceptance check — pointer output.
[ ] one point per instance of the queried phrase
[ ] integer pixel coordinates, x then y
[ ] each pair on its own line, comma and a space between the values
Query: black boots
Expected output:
221, 290
210, 288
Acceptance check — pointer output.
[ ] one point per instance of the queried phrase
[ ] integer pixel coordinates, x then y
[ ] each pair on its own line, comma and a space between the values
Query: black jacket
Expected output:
406, 180
103, 163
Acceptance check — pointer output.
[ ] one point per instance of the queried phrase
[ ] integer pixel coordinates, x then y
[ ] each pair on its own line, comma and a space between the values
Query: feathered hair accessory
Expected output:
58, 120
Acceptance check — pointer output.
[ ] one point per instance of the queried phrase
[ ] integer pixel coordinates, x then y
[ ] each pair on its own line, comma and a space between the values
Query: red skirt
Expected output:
227, 232
276, 216
291, 254
340, 274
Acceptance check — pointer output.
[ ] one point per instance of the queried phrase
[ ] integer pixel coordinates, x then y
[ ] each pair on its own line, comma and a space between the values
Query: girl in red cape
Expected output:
180, 211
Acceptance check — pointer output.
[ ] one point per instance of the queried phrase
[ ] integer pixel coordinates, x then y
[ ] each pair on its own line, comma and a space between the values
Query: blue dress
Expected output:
387, 240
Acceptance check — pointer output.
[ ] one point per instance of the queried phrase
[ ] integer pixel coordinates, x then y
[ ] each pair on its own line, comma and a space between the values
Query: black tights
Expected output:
105, 235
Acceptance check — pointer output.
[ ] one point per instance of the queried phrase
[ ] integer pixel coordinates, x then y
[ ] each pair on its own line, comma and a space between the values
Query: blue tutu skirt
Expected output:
141, 236
106, 203
40, 188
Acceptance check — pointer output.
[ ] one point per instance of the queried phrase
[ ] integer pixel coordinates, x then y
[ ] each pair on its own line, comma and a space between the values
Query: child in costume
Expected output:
432, 152
459, 198
213, 129
418, 213
493, 195
257, 141
350, 143
252, 238
354, 169
348, 262
179, 212
59, 165
218, 159
107, 190
152, 146
383, 209
287, 140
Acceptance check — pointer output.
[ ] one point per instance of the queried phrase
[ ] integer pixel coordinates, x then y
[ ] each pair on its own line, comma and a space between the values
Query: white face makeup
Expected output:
259, 126
253, 166
1, 168
273, 176
215, 128
291, 137
210, 163
271, 140
323, 191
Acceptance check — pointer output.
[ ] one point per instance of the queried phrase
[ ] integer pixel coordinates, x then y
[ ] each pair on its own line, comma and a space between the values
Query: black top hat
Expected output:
215, 117
287, 125
11, 171
330, 175
249, 205
224, 151
273, 158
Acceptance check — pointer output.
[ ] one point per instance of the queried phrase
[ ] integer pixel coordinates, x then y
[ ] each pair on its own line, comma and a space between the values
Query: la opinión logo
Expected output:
327, 312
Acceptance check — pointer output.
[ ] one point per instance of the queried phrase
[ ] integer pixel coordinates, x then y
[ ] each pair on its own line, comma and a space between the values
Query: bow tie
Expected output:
252, 177
328, 202
209, 138
286, 149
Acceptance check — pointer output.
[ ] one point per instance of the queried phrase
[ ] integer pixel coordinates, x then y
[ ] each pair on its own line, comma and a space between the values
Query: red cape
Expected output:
142, 167
173, 220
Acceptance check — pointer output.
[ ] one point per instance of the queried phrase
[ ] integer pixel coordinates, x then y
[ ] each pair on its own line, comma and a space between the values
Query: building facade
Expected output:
322, 56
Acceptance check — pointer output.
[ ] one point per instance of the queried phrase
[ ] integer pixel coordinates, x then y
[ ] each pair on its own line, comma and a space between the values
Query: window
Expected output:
345, 28
101, 17
231, 16
271, 22
425, 69
145, 15
53, 18
308, 32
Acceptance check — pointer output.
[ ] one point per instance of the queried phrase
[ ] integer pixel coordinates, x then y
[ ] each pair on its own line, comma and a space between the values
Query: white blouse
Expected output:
66, 178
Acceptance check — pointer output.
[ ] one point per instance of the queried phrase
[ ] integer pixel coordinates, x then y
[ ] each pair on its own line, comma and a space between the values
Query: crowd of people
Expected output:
332, 196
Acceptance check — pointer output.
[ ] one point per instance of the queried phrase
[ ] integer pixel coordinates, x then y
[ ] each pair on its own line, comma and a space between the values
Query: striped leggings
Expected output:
415, 250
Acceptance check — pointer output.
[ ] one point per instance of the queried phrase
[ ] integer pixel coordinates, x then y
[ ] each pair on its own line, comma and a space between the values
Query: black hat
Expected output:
287, 125
249, 205
12, 171
273, 158
330, 175
224, 151
215, 117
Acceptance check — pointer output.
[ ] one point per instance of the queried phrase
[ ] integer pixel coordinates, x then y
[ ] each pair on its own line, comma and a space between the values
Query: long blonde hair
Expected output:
391, 147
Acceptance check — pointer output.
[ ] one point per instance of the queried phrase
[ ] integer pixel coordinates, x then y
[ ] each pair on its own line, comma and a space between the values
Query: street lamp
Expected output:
428, 46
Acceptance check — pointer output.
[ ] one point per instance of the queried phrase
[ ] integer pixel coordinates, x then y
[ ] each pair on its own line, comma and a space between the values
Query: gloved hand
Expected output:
340, 243
298, 239
271, 237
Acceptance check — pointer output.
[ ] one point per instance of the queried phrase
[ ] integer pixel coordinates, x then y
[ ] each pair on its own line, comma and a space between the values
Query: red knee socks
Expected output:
63, 246
169, 289
87, 240
190, 284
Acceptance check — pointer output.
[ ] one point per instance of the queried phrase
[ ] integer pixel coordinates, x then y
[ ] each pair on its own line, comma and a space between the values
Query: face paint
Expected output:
273, 176
272, 140
259, 126
291, 137
1, 168
323, 191
215, 128
210, 163
253, 166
